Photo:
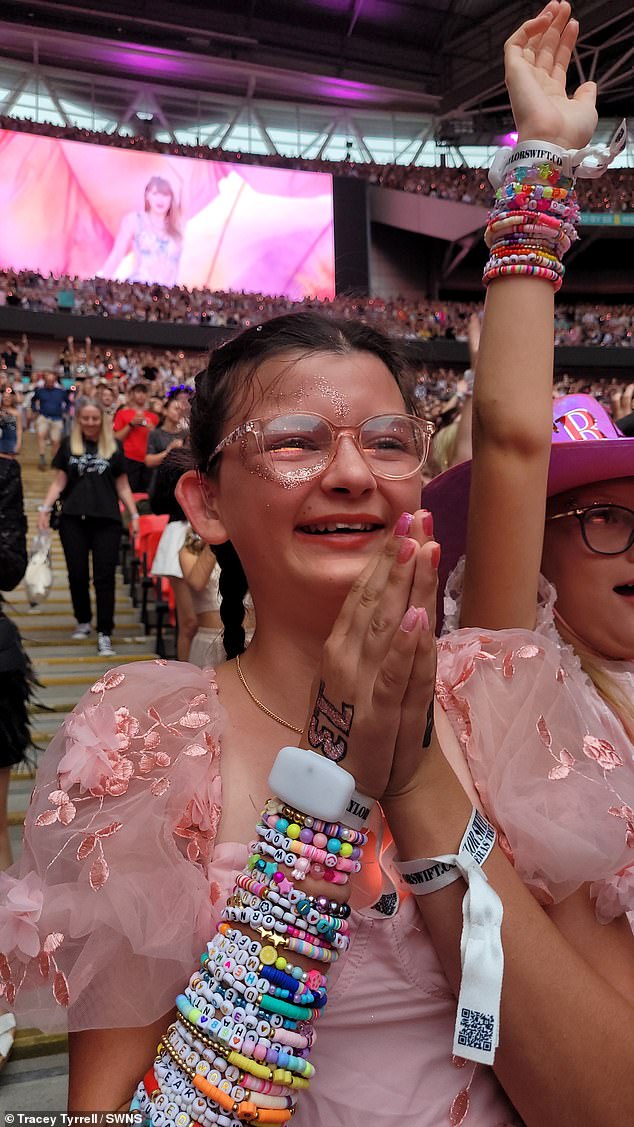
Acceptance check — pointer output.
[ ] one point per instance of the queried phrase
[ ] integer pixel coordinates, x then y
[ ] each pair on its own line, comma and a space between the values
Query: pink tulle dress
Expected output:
121, 883
553, 765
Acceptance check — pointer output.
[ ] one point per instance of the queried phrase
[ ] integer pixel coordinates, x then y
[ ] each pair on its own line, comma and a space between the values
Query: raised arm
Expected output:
512, 405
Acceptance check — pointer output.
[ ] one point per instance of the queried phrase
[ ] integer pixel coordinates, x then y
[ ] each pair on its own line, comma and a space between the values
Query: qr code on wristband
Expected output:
476, 1030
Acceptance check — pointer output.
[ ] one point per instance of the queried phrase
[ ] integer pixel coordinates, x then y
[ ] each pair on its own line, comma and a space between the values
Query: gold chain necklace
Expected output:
261, 706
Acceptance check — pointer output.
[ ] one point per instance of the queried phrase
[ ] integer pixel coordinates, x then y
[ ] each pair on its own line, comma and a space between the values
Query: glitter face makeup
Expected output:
334, 396
302, 522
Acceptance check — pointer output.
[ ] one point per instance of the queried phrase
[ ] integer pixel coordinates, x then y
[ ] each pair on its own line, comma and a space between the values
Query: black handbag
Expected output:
55, 515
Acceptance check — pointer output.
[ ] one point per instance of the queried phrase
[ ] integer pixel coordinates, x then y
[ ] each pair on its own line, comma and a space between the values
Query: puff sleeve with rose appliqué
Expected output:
552, 763
110, 904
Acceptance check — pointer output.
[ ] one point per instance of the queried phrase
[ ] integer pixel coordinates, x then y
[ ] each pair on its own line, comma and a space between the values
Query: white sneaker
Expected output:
104, 647
82, 630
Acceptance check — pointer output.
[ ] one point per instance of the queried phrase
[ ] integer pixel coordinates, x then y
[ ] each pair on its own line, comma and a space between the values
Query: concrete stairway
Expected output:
35, 1077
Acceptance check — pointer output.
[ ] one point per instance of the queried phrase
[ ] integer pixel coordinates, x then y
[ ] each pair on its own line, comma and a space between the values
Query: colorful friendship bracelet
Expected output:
532, 224
238, 1049
204, 1068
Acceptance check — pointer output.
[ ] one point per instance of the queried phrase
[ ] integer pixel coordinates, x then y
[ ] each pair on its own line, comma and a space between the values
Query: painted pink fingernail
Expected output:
406, 550
423, 618
435, 556
409, 620
428, 524
403, 524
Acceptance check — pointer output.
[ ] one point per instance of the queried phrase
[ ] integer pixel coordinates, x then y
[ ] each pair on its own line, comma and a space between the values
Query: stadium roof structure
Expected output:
325, 65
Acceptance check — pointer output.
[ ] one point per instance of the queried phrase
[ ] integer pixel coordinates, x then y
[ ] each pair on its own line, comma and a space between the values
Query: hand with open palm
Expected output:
536, 60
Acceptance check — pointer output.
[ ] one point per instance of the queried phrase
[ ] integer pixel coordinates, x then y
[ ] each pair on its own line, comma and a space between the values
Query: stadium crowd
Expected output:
597, 325
110, 374
613, 193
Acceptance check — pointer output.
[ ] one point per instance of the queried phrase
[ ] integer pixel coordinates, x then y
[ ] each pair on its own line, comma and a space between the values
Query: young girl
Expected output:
309, 456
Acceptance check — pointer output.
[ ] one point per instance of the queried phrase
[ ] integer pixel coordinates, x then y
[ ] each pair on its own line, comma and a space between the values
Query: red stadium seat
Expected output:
151, 529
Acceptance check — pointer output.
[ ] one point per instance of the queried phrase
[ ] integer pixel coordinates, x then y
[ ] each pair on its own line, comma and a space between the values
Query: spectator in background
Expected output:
201, 573
167, 561
105, 394
10, 423
91, 478
27, 360
9, 357
66, 297
50, 404
165, 437
132, 426
623, 409
16, 677
155, 405
66, 359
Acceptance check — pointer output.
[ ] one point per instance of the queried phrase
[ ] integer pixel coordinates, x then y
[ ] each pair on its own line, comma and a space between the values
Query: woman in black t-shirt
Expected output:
90, 482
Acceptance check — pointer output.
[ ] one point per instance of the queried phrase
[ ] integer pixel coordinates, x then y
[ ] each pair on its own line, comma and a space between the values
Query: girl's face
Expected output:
90, 423
595, 593
277, 529
173, 411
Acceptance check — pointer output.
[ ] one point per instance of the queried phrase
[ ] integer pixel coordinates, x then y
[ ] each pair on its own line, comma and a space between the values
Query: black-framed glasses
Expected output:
297, 447
606, 529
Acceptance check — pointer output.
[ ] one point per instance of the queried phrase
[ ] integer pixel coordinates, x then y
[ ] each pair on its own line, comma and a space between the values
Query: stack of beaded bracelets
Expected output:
238, 1050
532, 224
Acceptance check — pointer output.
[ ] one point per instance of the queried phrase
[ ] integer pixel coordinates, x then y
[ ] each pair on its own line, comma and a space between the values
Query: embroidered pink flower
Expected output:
626, 813
602, 752
127, 725
21, 904
614, 896
199, 823
93, 745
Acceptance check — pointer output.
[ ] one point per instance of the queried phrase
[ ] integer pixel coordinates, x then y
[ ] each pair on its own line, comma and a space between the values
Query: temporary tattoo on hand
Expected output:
331, 742
429, 730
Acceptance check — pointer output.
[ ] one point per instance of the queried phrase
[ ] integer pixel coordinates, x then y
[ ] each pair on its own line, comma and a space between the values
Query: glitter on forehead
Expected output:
341, 407
295, 397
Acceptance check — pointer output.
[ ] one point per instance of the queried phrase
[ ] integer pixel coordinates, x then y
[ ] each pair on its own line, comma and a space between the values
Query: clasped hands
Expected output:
373, 702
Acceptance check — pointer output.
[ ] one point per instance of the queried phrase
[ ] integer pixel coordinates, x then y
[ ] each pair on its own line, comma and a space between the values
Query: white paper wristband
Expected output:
477, 1029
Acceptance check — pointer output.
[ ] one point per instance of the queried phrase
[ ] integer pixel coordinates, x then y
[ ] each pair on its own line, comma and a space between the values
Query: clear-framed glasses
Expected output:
606, 529
297, 447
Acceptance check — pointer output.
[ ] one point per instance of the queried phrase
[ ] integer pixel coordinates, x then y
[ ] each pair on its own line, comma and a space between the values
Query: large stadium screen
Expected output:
88, 210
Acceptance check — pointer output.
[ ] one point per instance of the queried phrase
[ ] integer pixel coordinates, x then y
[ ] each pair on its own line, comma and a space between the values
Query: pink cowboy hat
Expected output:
587, 447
